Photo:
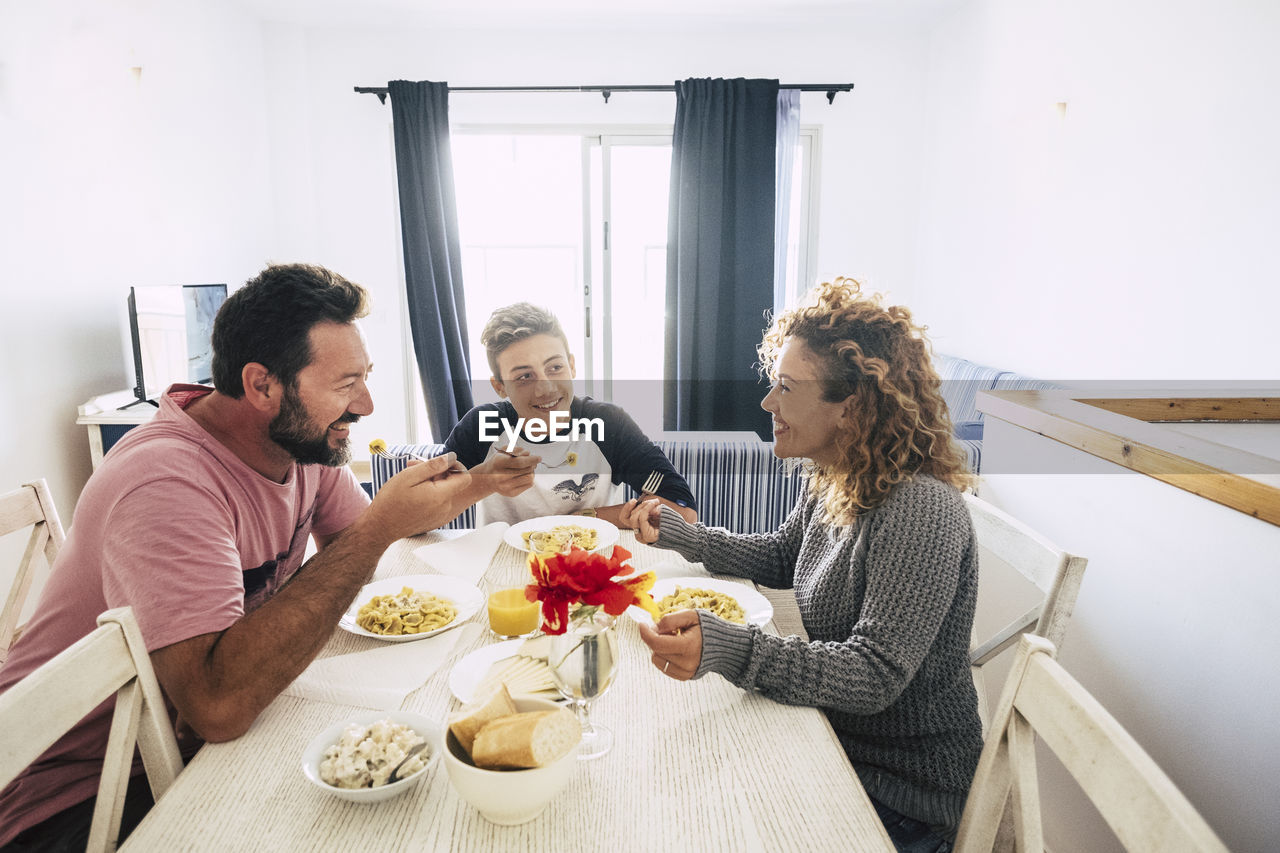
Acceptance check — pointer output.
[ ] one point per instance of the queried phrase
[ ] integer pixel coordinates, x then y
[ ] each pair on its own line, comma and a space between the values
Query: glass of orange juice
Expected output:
511, 615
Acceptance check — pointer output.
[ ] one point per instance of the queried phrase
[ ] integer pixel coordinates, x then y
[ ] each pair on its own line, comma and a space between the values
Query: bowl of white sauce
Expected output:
353, 759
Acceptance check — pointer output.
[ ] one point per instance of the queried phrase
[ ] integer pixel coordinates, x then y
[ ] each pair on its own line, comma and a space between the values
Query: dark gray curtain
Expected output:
719, 253
432, 252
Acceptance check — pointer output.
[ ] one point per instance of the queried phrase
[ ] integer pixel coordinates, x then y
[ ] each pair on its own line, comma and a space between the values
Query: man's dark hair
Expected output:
268, 321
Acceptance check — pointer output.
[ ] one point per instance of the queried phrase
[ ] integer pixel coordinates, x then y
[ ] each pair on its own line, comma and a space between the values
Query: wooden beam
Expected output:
1191, 409
1222, 474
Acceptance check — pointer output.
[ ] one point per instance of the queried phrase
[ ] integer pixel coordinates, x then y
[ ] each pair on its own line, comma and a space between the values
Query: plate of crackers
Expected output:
519, 664
411, 607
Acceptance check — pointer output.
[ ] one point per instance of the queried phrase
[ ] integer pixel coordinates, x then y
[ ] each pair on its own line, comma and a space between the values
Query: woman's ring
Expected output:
664, 667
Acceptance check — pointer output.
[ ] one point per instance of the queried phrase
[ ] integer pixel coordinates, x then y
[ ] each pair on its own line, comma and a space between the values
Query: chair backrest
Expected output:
1040, 699
28, 506
39, 709
1056, 573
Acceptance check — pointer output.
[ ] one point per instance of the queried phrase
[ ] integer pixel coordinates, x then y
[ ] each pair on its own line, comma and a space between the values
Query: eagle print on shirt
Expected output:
576, 491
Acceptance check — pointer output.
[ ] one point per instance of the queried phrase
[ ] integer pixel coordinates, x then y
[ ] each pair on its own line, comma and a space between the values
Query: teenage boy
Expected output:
543, 451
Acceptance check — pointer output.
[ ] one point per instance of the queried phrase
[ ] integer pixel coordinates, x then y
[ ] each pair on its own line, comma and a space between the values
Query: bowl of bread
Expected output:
509, 757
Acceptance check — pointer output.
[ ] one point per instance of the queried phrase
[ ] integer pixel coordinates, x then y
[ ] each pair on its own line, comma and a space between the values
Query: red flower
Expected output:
586, 578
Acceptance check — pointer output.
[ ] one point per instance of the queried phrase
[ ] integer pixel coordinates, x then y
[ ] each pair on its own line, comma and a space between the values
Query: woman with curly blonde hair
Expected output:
880, 552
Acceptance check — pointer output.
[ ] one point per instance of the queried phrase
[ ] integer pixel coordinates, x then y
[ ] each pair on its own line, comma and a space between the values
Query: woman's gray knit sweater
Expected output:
888, 604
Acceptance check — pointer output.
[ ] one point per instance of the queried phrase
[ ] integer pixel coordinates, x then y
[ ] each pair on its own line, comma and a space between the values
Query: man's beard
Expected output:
292, 429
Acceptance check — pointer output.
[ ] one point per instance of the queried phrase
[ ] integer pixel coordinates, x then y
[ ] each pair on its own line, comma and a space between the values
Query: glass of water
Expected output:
583, 661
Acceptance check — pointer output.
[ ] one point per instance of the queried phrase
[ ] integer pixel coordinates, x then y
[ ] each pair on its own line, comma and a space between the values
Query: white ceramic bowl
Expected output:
509, 797
314, 754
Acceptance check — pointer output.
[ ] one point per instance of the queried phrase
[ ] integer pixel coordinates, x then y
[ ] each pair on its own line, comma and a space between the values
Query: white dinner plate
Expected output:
757, 608
466, 598
606, 533
468, 672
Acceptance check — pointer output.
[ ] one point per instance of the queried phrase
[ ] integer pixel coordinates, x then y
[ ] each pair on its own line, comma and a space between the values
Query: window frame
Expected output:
597, 380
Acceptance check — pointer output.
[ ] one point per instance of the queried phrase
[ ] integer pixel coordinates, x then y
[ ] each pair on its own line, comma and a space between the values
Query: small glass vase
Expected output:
584, 661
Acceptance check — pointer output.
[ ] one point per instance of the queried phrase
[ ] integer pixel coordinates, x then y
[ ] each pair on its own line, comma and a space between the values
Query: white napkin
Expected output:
467, 556
380, 678
673, 569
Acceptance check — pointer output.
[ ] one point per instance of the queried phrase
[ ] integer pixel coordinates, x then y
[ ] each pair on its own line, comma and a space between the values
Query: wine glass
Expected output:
583, 662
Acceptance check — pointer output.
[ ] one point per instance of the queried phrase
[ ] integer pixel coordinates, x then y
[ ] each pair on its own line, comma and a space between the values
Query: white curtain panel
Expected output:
788, 140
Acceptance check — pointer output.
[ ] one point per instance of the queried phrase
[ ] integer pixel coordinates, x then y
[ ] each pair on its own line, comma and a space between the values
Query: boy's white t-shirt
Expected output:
589, 471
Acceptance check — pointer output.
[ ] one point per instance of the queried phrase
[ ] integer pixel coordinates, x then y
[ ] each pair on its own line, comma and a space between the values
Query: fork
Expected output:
413, 750
378, 448
651, 485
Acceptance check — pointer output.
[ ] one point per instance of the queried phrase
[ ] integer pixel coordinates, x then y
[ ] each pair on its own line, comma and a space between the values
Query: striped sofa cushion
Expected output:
972, 448
1010, 381
961, 381
383, 469
738, 484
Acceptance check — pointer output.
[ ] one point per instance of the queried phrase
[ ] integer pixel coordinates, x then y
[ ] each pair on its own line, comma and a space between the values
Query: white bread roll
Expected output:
486, 707
531, 739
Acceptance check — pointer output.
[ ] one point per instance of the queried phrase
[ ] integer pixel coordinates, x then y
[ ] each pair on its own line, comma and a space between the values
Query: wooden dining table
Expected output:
699, 766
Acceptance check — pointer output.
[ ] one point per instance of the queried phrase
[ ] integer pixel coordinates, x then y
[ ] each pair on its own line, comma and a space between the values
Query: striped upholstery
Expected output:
738, 484
961, 381
1010, 381
384, 469
972, 448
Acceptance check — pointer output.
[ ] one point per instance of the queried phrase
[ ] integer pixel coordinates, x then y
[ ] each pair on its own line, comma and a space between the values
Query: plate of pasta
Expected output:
411, 607
730, 600
553, 533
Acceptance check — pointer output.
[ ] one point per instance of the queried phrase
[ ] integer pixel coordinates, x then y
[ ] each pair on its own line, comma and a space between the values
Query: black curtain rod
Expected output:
830, 88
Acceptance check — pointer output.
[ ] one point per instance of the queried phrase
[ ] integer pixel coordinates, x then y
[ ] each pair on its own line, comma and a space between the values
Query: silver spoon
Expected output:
413, 750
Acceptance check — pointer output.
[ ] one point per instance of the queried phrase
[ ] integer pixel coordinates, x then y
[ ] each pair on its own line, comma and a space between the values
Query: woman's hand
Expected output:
676, 643
645, 517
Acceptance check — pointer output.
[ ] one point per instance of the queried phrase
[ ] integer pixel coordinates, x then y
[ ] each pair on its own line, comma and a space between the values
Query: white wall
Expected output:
1173, 632
106, 182
1132, 238
243, 143
335, 188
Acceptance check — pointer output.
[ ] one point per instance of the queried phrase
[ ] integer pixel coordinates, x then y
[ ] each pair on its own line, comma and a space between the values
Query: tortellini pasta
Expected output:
561, 537
716, 603
407, 612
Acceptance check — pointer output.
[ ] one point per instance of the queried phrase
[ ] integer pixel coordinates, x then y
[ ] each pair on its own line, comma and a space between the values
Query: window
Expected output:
577, 222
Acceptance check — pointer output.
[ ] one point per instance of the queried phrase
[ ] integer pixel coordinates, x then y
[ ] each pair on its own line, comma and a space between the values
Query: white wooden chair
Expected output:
1138, 801
28, 506
1056, 573
46, 704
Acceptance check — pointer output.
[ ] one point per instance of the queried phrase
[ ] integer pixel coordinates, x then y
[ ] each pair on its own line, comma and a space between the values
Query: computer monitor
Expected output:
172, 331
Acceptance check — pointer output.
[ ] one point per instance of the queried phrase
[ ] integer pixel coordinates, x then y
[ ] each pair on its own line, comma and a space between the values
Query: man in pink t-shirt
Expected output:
199, 521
